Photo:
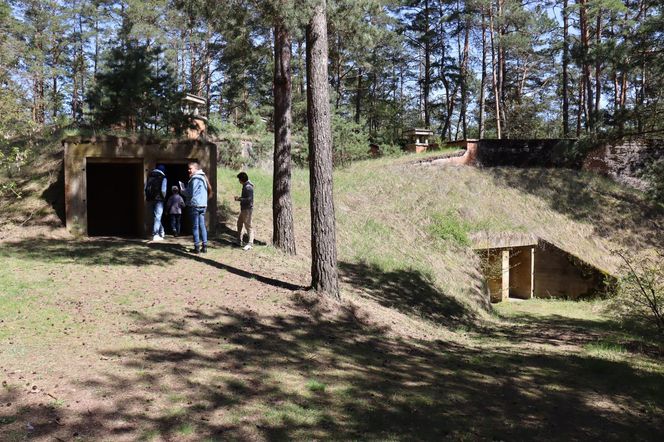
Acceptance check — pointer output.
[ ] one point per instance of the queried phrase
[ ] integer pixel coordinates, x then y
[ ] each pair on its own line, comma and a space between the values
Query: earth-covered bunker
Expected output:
105, 177
523, 266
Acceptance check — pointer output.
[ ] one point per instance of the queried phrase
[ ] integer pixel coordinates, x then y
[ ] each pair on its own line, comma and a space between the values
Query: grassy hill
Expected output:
108, 339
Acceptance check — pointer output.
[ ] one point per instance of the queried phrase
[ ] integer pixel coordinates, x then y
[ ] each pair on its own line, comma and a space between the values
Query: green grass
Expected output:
315, 386
290, 413
186, 429
605, 350
449, 227
25, 302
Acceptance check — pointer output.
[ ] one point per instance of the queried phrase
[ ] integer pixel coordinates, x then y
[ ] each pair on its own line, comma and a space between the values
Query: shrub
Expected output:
349, 139
640, 292
654, 174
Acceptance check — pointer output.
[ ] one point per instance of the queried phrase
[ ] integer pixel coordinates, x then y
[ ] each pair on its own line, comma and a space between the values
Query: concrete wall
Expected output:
626, 161
492, 270
521, 276
524, 153
109, 149
561, 275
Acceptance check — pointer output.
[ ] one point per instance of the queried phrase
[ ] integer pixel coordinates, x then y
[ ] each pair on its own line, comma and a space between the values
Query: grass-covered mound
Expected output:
108, 339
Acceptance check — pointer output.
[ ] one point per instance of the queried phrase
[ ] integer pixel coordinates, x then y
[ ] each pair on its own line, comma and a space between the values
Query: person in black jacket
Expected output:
155, 194
246, 208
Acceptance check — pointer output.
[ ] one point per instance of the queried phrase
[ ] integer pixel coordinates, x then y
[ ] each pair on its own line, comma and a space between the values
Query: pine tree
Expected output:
324, 274
136, 92
283, 233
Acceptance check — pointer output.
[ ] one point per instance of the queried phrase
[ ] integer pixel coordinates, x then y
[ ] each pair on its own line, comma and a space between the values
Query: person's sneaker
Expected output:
247, 247
195, 251
157, 238
204, 248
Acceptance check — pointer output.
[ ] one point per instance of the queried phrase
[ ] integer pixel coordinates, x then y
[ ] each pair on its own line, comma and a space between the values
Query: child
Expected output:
174, 206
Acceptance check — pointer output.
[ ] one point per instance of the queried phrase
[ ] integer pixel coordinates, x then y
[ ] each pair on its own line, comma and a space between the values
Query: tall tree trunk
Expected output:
464, 78
283, 233
598, 63
324, 275
208, 73
358, 96
565, 68
96, 56
585, 45
483, 79
496, 93
427, 65
502, 67
337, 73
581, 106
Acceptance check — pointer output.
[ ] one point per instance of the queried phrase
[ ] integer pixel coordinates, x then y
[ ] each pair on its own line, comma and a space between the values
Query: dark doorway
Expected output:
176, 172
114, 198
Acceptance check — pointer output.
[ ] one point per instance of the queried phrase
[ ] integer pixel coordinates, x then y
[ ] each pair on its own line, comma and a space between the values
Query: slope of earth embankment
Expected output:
117, 339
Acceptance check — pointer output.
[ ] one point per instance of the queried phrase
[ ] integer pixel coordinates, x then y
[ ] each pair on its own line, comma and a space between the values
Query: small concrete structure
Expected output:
523, 266
105, 179
193, 105
417, 139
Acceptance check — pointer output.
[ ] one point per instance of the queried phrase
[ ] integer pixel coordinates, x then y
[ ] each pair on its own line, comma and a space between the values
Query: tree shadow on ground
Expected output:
558, 330
407, 291
182, 251
98, 251
54, 195
225, 235
316, 374
615, 214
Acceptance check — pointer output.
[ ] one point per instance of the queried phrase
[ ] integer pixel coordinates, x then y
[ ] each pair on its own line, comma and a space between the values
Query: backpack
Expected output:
153, 187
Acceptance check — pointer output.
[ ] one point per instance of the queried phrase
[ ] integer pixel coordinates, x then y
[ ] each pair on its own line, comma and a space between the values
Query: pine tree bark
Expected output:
427, 66
324, 275
358, 96
483, 79
494, 65
464, 78
565, 79
283, 234
598, 62
585, 45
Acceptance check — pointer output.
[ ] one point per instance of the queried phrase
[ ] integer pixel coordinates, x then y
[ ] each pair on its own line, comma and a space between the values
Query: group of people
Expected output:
195, 198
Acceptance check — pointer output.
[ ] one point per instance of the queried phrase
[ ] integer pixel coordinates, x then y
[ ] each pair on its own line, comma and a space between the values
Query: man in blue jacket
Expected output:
197, 194
155, 195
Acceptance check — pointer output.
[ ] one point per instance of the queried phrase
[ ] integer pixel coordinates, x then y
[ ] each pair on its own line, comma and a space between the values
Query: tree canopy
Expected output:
465, 68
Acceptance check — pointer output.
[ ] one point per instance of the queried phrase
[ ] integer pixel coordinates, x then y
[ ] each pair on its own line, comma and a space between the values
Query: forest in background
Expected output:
466, 69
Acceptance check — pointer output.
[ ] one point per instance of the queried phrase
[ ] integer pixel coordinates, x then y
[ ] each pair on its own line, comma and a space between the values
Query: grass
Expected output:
315, 386
175, 351
605, 350
448, 227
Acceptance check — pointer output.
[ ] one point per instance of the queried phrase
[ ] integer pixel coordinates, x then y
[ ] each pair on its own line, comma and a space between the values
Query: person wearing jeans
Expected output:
155, 194
197, 194
198, 227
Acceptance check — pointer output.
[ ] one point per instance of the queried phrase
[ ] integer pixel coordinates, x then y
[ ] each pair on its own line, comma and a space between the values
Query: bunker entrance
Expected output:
176, 172
114, 198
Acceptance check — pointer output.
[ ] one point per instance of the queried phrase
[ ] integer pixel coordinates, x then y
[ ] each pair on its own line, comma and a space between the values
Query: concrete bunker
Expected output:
105, 177
523, 266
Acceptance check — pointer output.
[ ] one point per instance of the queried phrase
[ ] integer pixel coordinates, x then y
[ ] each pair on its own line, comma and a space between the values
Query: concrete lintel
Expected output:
486, 240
